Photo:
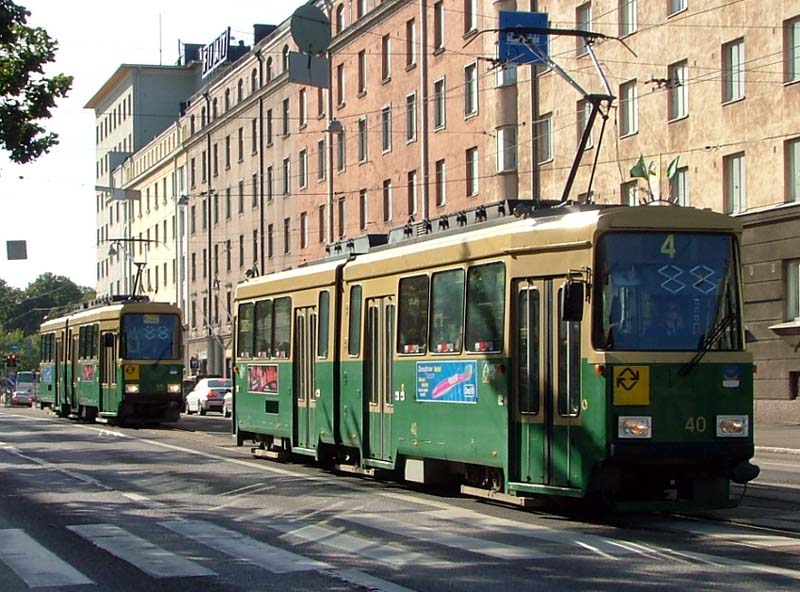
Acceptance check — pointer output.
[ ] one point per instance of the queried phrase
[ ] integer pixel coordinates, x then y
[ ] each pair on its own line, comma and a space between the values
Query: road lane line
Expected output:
367, 581
34, 564
241, 546
153, 560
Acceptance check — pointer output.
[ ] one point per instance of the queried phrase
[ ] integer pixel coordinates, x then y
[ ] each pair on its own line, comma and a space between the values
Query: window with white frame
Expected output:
438, 25
506, 75
679, 187
470, 89
340, 151
302, 164
735, 183
584, 109
411, 117
793, 170
628, 193
470, 16
678, 91
544, 138
472, 171
386, 57
362, 140
302, 108
628, 109
411, 186
387, 200
674, 6
340, 84
285, 117
583, 22
439, 117
793, 290
441, 194
506, 148
386, 128
627, 17
287, 175
362, 72
411, 43
791, 43
733, 71
342, 217
363, 212
321, 160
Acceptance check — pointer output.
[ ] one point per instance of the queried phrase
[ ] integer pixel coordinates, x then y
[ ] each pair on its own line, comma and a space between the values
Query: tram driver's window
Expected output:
413, 315
486, 308
244, 339
447, 312
354, 337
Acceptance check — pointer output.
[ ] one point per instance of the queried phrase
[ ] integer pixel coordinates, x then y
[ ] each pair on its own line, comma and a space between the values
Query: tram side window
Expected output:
354, 337
486, 308
324, 319
87, 342
244, 338
569, 366
283, 327
413, 315
528, 350
447, 311
263, 329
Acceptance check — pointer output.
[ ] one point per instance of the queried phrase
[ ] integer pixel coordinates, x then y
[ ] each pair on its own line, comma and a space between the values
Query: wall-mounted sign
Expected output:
216, 52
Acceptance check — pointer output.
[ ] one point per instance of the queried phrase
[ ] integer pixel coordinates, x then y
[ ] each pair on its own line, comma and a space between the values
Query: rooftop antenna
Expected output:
160, 63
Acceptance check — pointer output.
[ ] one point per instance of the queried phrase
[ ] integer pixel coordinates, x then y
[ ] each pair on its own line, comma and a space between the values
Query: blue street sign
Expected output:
14, 347
513, 46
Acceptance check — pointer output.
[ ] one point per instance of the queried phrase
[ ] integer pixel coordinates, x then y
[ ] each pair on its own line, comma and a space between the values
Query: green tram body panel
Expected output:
572, 441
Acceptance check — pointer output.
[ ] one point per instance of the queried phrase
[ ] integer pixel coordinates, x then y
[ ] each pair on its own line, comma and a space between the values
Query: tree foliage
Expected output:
26, 94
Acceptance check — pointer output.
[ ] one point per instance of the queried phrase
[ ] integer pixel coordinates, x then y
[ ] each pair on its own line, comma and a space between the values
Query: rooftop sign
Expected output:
216, 52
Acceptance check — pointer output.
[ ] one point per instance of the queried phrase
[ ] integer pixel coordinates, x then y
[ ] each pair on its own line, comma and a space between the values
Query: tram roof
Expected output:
110, 311
299, 278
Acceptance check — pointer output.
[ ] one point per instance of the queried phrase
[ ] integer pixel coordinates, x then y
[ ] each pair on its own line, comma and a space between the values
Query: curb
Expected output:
776, 450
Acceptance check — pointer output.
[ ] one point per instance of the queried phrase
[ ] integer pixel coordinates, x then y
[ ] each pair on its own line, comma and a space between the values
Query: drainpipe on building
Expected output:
262, 267
536, 184
423, 82
211, 362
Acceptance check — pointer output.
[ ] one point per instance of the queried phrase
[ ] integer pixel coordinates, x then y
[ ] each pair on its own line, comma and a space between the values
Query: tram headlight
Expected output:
635, 427
733, 426
132, 387
173, 388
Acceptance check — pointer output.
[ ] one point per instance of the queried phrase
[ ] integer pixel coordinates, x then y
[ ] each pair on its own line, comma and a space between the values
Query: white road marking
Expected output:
740, 535
151, 559
34, 564
367, 581
240, 546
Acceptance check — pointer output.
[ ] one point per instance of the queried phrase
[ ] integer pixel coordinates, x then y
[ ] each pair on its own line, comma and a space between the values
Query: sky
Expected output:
50, 203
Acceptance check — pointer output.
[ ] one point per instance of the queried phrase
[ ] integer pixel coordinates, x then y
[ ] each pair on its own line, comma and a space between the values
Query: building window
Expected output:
270, 241
791, 43
411, 117
733, 71
470, 89
254, 190
470, 16
472, 171
439, 113
340, 151
583, 22
285, 58
269, 127
285, 117
386, 129
793, 170
269, 69
735, 188
584, 112
438, 25
793, 290
411, 185
303, 230
674, 6
287, 179
506, 148
227, 203
340, 85
240, 145
627, 17
387, 200
321, 159
321, 224
287, 235
254, 136
678, 91
411, 51
302, 174
270, 185
362, 72
361, 8
340, 18
544, 138
302, 105
506, 75
342, 218
627, 193
362, 209
679, 187
441, 194
362, 140
386, 57
628, 115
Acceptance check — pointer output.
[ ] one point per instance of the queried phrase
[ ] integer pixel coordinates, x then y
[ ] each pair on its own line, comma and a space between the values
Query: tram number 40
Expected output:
696, 424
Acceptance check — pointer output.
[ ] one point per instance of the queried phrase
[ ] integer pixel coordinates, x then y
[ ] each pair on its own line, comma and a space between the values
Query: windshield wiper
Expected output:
707, 341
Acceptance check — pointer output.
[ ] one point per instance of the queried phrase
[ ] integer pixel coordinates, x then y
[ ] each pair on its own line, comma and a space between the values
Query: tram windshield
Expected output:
667, 291
148, 336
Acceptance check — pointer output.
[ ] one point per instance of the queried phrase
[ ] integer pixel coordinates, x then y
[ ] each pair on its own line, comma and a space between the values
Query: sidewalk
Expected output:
778, 437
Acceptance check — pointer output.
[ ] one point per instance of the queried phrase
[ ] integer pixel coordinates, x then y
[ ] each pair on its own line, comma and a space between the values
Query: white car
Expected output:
227, 406
208, 395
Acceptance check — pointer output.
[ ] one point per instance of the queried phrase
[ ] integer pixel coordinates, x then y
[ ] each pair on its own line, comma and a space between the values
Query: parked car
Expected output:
227, 405
23, 397
207, 395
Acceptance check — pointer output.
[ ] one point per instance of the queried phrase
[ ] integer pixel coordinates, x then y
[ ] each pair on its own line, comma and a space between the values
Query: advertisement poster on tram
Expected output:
447, 382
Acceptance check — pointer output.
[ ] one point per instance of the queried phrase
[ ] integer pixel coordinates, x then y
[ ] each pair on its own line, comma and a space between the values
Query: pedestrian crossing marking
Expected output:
34, 564
144, 555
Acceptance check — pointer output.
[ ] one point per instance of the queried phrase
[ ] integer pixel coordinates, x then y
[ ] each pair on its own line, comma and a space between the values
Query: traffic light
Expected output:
13, 360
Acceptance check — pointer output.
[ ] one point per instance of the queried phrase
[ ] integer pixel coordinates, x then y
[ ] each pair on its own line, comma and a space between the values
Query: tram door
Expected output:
73, 373
546, 393
58, 380
305, 346
378, 377
108, 375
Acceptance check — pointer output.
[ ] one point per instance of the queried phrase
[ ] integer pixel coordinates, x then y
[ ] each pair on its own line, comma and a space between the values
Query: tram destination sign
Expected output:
216, 53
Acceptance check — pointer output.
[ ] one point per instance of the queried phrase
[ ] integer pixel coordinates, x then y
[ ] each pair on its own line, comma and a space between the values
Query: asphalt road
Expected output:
91, 507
